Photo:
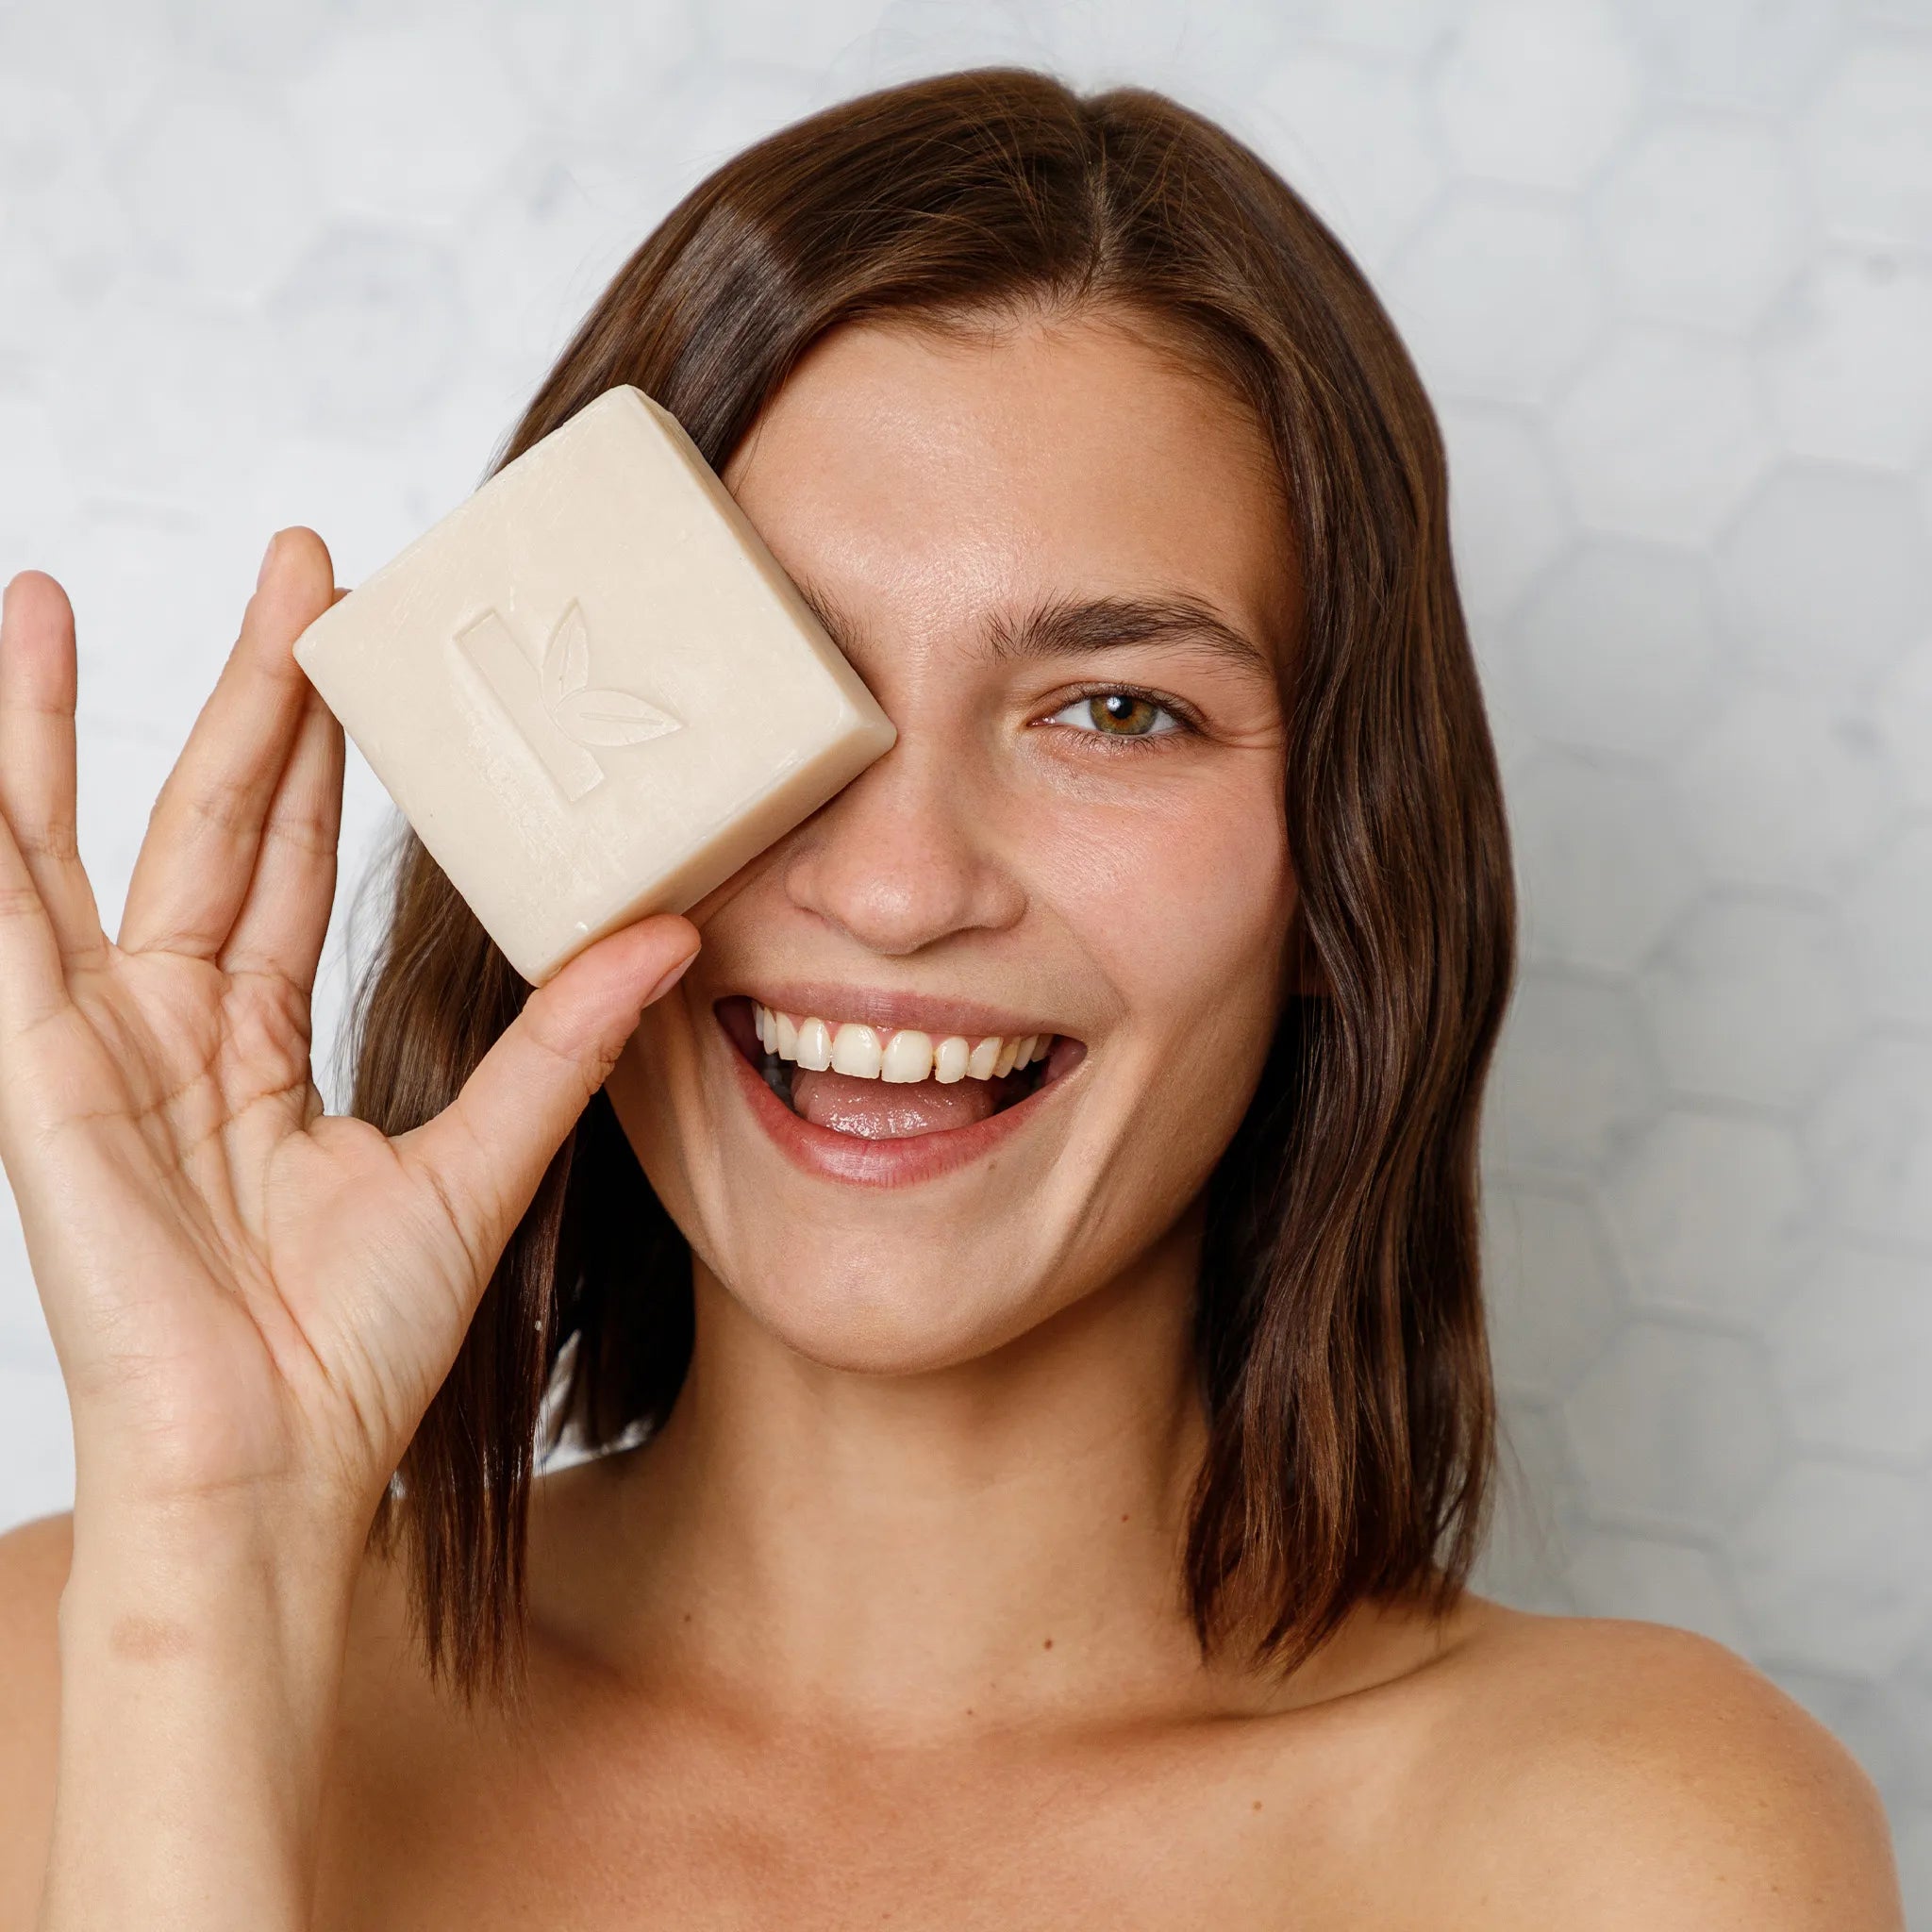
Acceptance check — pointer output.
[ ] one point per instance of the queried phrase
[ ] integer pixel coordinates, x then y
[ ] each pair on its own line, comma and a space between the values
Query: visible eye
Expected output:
1118, 711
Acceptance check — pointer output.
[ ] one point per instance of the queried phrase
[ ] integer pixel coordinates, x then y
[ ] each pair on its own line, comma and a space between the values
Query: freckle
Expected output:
1048, 1644
687, 1616
1257, 1804
1124, 1515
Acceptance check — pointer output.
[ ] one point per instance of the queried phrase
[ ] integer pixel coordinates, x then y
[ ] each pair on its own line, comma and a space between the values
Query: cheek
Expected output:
1183, 900
651, 1088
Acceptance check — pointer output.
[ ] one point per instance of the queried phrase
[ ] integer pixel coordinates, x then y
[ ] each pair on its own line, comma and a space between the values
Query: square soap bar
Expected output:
590, 689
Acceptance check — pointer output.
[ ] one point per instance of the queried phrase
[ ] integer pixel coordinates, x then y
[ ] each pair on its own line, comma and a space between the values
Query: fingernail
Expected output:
268, 557
671, 978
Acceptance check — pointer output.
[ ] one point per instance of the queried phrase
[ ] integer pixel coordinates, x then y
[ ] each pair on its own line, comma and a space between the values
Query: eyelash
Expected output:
1185, 725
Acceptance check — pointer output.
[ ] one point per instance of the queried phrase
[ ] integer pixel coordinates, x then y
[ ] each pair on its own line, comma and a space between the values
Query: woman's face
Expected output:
1078, 835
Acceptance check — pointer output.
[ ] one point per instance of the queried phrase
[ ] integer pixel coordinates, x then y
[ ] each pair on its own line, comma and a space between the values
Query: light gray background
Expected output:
1667, 265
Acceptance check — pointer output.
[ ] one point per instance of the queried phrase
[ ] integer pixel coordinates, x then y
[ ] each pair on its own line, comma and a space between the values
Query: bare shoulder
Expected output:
33, 1573
1615, 1773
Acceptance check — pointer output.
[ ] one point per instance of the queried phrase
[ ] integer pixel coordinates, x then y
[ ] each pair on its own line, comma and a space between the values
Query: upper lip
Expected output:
880, 1006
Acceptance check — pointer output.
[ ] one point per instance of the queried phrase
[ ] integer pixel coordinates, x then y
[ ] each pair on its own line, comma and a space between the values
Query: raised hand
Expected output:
250, 1299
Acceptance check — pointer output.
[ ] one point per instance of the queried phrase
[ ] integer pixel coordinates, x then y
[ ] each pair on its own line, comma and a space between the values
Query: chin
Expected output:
880, 1309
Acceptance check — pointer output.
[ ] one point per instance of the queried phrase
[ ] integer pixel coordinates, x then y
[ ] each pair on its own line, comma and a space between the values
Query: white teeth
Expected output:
855, 1051
908, 1055
814, 1046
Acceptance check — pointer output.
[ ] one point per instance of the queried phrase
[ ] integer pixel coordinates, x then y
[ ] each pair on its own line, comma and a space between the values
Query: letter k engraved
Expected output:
555, 709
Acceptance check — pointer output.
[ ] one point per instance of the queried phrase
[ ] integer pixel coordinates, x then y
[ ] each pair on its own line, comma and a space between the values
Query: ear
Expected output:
1302, 972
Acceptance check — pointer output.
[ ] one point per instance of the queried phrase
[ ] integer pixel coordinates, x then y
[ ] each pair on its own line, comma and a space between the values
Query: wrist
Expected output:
201, 1658
152, 1584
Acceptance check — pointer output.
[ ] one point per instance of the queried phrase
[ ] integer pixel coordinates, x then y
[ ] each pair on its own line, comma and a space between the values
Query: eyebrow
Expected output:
1062, 626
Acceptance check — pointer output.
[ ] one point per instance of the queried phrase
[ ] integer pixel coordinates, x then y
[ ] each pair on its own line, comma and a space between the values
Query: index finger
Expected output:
198, 858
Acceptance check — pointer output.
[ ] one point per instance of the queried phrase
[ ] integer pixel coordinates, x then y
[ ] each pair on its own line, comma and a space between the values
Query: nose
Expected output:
908, 854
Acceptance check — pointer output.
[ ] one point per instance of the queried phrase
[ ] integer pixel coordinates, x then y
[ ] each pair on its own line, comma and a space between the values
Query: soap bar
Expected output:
590, 689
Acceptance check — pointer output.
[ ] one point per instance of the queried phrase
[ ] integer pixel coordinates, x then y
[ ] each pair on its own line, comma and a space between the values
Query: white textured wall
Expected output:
1668, 267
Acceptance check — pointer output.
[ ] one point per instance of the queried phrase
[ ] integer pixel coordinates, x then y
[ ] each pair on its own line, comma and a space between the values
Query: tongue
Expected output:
889, 1109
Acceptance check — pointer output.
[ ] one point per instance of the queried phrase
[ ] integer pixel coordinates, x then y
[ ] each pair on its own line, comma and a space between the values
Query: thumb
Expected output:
485, 1151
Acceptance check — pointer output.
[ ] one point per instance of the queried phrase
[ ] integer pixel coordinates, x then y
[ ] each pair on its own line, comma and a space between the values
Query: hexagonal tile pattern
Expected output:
1708, 1212
1471, 344
1604, 869
585, 68
1903, 708
1834, 1567
1850, 1350
1672, 1429
1552, 1288
1868, 140
1354, 136
1870, 1138
1536, 92
1750, 1001
1825, 579
1736, 52
1701, 222
1508, 515
1842, 363
1536, 1513
1666, 269
1778, 792
1891, 913
375, 323
1617, 649
238, 156
1576, 1077
1656, 1582
407, 123
1662, 436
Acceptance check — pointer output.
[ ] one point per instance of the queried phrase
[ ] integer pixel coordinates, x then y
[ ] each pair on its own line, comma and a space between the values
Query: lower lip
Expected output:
898, 1163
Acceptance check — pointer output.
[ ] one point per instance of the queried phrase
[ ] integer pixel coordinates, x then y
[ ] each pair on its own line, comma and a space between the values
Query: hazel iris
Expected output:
1123, 713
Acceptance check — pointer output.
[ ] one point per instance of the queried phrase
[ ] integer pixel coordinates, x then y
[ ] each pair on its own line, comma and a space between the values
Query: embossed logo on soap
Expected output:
557, 711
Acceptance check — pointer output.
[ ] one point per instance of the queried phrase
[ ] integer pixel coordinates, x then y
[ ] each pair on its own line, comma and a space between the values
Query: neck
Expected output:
914, 1553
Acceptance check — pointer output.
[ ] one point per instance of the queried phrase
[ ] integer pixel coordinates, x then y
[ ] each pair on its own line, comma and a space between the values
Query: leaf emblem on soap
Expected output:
612, 717
586, 715
566, 657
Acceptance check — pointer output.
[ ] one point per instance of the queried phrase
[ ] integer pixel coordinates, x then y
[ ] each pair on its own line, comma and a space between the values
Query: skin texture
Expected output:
884, 1628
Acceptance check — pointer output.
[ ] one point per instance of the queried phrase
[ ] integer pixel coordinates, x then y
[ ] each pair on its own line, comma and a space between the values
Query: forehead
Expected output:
900, 464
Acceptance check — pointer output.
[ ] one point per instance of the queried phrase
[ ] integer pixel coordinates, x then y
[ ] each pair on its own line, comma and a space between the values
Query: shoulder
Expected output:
1630, 1773
33, 1573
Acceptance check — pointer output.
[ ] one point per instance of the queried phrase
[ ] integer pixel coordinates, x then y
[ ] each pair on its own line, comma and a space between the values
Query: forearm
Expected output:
200, 1667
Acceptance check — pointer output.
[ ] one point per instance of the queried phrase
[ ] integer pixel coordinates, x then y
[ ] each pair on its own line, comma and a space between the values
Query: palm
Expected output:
230, 1239
243, 1291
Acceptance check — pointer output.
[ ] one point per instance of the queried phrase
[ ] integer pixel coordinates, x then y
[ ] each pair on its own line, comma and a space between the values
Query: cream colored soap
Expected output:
590, 688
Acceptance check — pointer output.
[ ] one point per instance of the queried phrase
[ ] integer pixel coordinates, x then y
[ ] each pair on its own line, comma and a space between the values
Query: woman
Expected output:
1041, 1500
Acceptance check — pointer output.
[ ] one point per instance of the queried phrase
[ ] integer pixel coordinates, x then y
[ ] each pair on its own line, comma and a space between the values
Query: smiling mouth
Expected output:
884, 1083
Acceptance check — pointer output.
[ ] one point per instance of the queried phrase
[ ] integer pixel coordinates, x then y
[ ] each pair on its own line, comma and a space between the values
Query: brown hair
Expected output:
1340, 1332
